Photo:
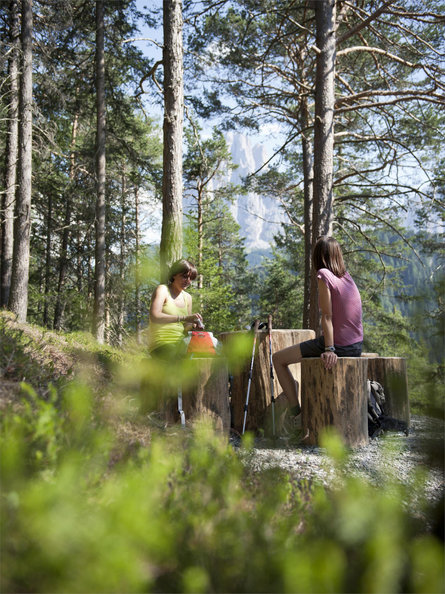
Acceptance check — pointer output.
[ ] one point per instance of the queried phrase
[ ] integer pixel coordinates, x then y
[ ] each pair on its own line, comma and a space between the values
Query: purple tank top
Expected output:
346, 307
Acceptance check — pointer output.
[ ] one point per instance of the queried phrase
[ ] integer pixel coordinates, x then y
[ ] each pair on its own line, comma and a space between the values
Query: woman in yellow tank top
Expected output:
171, 314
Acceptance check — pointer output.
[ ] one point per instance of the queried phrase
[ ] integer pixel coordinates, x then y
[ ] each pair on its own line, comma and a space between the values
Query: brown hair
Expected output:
328, 254
182, 267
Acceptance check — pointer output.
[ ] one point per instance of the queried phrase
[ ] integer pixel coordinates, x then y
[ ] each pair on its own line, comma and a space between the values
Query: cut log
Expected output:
390, 372
259, 409
206, 395
335, 398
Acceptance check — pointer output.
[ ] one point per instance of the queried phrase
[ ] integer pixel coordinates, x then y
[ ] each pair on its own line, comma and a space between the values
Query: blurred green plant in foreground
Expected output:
188, 514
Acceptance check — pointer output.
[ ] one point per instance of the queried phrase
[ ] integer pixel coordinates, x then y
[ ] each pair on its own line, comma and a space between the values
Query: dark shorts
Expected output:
169, 352
315, 347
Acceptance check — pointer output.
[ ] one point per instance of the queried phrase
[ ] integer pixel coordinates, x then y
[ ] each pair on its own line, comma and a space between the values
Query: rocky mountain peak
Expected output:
258, 216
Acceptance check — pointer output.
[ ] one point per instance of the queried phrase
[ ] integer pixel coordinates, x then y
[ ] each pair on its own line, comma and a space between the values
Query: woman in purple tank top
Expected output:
341, 319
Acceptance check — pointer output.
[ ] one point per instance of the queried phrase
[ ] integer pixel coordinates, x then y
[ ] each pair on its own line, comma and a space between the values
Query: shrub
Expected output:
189, 515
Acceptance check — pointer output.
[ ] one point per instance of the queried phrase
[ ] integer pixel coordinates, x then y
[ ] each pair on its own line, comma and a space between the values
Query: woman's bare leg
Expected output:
281, 360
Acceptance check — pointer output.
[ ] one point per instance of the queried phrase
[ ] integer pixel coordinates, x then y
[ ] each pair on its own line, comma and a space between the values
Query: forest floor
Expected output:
394, 456
40, 357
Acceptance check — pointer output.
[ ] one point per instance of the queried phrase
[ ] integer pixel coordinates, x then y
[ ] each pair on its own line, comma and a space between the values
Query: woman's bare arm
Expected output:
329, 358
157, 303
158, 316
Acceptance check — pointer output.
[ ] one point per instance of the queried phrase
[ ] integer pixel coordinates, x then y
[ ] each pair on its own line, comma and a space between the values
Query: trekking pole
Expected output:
255, 330
180, 410
272, 391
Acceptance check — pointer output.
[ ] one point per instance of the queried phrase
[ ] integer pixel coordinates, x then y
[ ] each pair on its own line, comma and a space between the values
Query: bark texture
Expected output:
337, 398
48, 250
63, 260
260, 396
207, 397
137, 257
99, 277
391, 373
18, 298
323, 135
8, 198
308, 172
324, 118
171, 234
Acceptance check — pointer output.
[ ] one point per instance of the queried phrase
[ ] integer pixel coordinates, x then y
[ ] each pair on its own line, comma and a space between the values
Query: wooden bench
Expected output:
259, 412
335, 398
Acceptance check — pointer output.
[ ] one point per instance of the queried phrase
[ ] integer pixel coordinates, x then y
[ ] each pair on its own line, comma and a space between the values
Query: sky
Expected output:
269, 136
149, 41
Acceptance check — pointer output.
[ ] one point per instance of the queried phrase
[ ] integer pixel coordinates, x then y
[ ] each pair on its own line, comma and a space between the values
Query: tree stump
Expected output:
205, 396
259, 409
336, 398
390, 372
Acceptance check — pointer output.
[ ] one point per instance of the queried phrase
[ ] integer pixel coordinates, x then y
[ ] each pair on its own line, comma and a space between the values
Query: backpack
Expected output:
378, 420
201, 344
376, 406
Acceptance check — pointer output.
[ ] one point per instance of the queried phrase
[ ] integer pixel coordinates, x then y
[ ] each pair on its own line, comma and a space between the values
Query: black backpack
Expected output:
378, 420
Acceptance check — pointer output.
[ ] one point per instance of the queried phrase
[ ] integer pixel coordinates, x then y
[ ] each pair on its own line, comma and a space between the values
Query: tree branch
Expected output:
366, 22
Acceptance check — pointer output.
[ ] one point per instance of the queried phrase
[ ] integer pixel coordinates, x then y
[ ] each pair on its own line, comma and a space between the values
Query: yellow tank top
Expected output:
161, 334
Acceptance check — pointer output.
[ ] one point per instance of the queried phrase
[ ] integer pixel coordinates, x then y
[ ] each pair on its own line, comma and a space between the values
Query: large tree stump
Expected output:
390, 372
205, 396
259, 409
336, 398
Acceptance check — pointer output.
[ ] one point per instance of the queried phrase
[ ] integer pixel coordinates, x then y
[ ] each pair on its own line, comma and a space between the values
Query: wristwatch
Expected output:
329, 348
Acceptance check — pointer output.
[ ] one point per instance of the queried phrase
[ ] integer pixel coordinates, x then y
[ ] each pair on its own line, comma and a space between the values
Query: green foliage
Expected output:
280, 292
188, 515
187, 512
41, 357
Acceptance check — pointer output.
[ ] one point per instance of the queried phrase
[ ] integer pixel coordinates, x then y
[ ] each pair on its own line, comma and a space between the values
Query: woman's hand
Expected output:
195, 319
329, 359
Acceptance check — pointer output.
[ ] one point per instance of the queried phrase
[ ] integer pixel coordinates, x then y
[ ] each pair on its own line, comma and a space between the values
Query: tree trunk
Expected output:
123, 239
308, 174
336, 398
137, 289
200, 248
63, 262
79, 250
8, 198
323, 134
324, 119
207, 396
200, 241
260, 396
391, 373
47, 261
99, 274
18, 298
171, 234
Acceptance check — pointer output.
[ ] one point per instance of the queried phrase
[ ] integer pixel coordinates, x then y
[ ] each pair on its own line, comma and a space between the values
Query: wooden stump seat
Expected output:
335, 398
206, 397
259, 409
391, 373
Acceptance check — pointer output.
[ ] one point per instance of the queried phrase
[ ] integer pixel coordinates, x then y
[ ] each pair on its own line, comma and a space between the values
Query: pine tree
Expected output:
171, 237
11, 156
18, 298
